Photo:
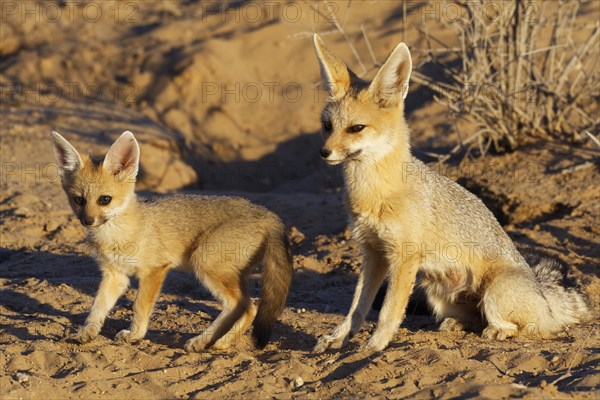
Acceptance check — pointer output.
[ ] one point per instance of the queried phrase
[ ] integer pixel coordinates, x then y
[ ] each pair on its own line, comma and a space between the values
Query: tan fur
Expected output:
409, 219
219, 239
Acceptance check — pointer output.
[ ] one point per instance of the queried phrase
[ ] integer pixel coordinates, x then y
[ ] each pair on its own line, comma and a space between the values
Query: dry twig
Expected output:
568, 374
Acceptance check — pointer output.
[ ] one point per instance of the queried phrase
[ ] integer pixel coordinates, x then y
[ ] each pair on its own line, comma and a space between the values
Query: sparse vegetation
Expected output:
522, 72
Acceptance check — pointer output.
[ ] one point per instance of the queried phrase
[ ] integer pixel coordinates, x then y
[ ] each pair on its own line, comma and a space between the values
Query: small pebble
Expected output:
22, 377
298, 382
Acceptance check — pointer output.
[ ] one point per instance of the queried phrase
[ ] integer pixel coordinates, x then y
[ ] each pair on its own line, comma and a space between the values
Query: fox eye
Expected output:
78, 200
355, 128
327, 126
104, 200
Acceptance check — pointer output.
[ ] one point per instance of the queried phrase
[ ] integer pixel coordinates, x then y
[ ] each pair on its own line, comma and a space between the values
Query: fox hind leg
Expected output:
221, 262
510, 300
456, 316
238, 329
222, 330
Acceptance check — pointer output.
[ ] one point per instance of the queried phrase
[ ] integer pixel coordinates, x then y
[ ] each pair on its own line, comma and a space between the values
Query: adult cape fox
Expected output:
217, 238
410, 219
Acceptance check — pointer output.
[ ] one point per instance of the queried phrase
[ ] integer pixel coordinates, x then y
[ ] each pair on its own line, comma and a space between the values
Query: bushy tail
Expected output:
277, 278
567, 302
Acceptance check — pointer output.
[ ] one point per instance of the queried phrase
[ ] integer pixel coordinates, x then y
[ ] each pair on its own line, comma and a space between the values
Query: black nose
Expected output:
87, 221
325, 152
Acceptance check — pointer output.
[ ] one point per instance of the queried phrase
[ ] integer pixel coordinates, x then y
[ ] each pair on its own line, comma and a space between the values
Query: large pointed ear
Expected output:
67, 157
334, 72
390, 85
123, 157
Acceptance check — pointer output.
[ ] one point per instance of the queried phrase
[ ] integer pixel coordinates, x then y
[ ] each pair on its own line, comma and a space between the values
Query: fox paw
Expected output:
451, 325
330, 342
497, 333
224, 342
87, 333
126, 336
196, 344
377, 343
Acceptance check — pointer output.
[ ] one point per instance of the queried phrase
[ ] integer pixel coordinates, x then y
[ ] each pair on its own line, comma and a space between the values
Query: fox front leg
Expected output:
370, 279
149, 288
111, 288
401, 282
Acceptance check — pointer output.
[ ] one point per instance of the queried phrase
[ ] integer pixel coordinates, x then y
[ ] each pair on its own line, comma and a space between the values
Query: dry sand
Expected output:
228, 102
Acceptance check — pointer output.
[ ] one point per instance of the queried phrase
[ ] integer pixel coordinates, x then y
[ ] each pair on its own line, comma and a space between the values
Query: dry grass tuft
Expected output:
522, 74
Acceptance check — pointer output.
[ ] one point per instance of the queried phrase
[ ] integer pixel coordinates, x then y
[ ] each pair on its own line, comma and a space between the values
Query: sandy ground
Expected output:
227, 101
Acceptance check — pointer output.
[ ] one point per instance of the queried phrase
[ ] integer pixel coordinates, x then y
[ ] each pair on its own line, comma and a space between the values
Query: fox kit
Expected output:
218, 238
409, 219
